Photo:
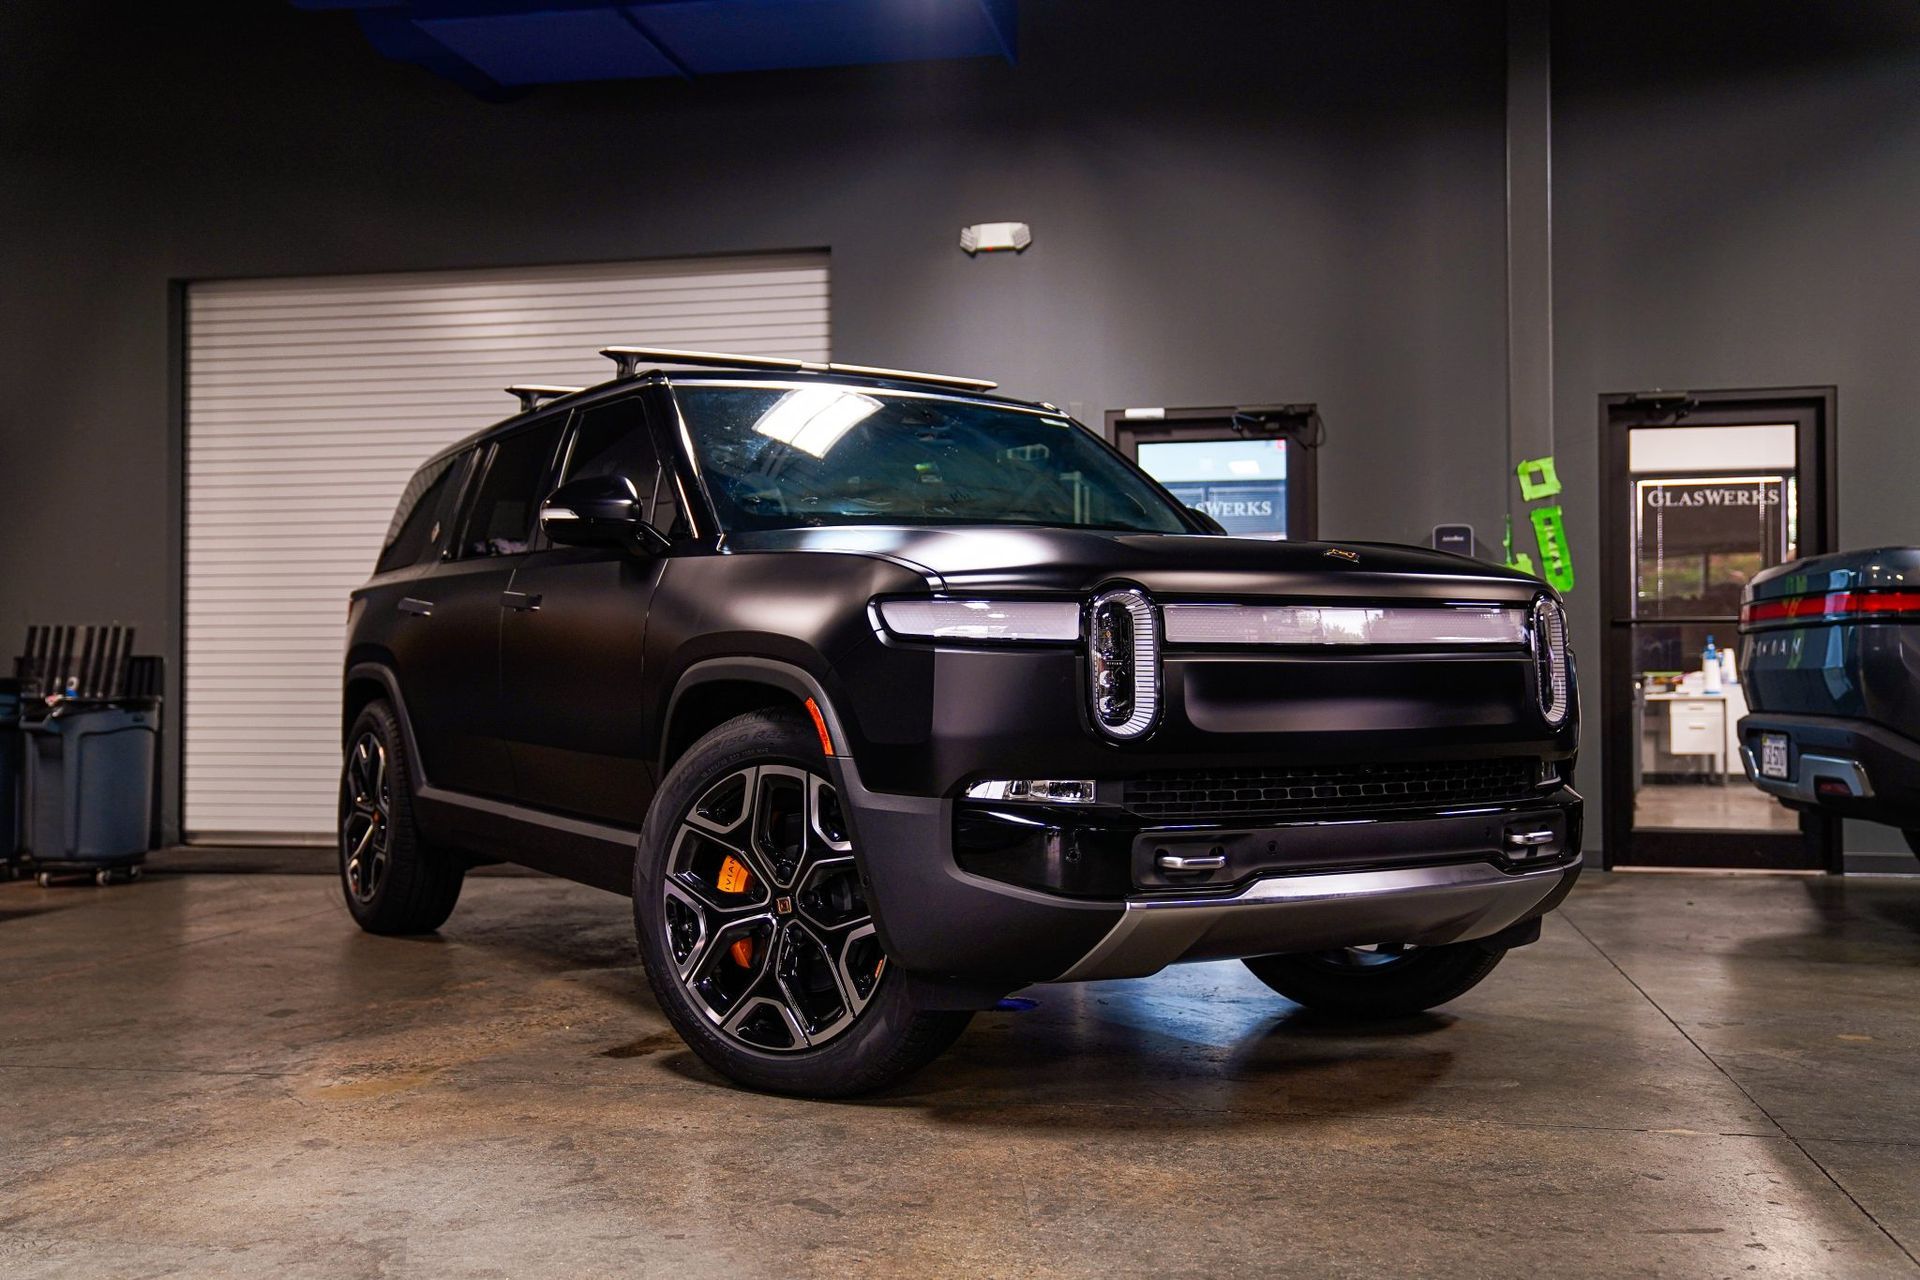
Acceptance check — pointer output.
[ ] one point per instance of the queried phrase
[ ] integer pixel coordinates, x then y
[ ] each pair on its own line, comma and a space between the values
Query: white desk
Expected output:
1705, 724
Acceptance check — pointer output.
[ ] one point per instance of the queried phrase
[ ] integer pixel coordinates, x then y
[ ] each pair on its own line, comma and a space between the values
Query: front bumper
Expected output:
1880, 769
1422, 879
1424, 906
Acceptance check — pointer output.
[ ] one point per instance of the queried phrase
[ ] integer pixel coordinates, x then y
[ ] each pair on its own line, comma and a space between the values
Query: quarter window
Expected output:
416, 521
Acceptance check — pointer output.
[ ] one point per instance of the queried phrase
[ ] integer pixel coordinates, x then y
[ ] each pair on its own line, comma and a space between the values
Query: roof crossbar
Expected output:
627, 361
531, 394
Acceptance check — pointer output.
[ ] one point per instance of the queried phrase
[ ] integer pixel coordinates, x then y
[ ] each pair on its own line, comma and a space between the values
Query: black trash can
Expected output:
10, 768
89, 788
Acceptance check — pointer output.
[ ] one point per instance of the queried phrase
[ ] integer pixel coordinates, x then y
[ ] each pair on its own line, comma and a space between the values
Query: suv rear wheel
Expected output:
754, 923
1385, 981
393, 882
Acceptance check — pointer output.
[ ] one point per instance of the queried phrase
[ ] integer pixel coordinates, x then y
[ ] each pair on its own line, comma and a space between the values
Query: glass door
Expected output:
1699, 502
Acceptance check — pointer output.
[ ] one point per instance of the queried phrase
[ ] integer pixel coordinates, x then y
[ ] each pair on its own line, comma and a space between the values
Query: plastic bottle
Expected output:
1710, 667
1729, 674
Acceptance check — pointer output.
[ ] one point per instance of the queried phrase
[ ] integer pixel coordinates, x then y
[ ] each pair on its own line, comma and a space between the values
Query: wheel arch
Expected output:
710, 693
369, 678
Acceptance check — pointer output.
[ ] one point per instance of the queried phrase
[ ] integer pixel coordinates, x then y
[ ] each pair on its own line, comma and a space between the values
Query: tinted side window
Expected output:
500, 519
613, 439
416, 521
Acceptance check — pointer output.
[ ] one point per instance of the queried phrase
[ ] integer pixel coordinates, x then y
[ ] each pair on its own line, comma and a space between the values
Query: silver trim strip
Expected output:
1426, 906
621, 836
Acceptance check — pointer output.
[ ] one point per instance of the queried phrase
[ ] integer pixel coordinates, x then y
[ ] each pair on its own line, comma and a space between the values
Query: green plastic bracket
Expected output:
1538, 479
1523, 562
1550, 531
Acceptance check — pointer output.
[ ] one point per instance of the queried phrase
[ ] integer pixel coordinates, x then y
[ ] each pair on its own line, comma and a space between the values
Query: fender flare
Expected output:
384, 674
785, 676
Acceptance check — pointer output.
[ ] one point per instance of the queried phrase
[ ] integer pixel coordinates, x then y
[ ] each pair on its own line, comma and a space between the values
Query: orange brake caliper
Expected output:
735, 878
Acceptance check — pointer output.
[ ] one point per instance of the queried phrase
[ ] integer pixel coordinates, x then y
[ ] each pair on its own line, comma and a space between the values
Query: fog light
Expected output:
1053, 791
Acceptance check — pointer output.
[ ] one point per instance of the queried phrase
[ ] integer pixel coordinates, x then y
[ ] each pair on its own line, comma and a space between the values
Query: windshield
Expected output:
777, 457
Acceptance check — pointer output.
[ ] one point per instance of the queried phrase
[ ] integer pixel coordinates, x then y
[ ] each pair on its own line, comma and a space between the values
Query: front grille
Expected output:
1352, 788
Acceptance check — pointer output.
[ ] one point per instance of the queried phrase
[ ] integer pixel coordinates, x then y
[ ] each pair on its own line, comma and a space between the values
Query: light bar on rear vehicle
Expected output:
1831, 606
1320, 624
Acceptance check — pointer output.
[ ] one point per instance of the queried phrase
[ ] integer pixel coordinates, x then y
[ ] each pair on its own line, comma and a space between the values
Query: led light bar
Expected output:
1252, 624
1832, 606
982, 619
1551, 655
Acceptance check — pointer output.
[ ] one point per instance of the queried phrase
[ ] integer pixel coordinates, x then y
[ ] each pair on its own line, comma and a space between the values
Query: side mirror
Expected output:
598, 511
1207, 523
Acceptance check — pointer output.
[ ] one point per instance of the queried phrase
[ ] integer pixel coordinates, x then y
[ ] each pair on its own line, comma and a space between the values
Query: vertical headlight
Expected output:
1550, 657
1123, 662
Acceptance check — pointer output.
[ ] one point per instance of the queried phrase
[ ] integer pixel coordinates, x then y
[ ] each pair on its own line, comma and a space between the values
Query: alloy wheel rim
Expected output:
366, 831
1368, 959
766, 923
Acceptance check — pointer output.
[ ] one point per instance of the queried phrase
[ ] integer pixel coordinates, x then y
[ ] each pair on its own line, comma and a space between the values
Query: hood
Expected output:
977, 559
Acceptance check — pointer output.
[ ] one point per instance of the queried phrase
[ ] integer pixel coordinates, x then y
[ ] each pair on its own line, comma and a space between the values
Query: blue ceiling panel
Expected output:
714, 36
551, 47
497, 47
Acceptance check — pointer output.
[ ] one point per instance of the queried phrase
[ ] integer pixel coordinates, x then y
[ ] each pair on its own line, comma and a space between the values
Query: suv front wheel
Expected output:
754, 924
1386, 981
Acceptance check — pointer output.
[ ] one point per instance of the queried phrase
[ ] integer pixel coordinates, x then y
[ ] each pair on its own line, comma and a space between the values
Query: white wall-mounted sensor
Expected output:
995, 237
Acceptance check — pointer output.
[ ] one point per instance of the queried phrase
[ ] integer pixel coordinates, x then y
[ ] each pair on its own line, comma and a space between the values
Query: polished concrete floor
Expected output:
217, 1074
1705, 806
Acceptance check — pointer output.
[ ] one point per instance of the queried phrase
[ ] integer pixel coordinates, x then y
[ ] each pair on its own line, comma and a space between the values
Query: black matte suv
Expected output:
884, 697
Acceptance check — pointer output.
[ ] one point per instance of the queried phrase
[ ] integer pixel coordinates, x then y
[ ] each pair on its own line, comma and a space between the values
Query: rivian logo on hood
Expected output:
1341, 553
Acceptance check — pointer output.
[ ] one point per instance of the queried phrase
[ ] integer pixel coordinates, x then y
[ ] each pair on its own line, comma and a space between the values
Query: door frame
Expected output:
1294, 423
1815, 409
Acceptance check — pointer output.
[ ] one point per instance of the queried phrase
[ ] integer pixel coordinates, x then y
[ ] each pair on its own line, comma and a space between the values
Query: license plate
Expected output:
1773, 755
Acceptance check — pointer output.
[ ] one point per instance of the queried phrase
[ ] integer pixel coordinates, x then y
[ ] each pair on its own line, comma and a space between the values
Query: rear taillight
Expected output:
1551, 660
1831, 606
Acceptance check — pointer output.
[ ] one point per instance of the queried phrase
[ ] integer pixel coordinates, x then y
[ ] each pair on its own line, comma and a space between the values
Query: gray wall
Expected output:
1735, 205
1232, 210
1242, 202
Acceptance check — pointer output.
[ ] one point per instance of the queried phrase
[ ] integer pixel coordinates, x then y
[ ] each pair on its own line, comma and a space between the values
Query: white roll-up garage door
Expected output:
309, 402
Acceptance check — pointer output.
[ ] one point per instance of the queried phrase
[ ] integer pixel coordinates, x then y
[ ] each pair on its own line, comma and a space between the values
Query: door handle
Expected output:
418, 608
522, 600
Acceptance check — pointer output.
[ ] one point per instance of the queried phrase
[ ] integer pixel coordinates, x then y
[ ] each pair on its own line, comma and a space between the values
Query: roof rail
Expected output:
532, 393
629, 359
908, 375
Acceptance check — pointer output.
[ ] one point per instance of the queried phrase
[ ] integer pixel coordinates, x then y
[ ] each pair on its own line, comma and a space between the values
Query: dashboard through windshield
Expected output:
781, 456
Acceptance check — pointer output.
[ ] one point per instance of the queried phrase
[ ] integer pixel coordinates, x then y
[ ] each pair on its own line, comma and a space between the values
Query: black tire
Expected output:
1388, 983
810, 948
394, 882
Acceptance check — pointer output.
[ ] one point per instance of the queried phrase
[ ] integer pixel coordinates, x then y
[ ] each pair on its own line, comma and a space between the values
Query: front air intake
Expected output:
1123, 663
1549, 628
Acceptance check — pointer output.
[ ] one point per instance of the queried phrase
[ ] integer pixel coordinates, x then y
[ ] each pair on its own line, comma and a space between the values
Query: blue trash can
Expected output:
89, 789
10, 768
